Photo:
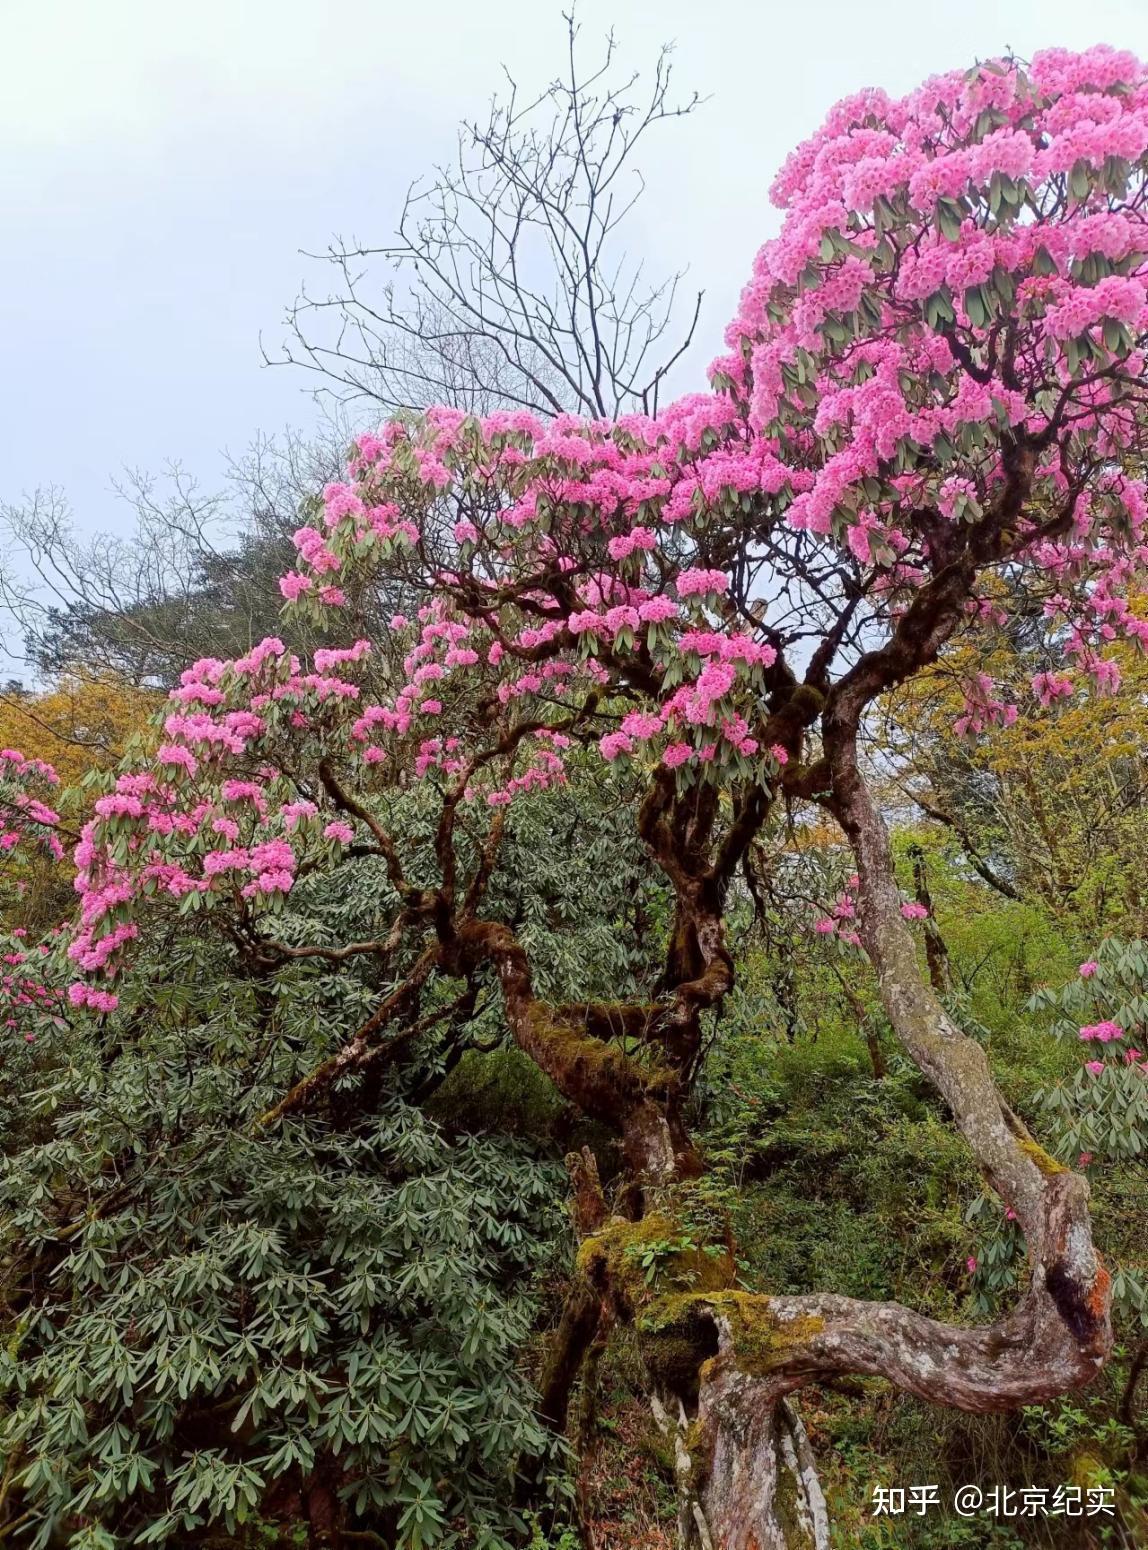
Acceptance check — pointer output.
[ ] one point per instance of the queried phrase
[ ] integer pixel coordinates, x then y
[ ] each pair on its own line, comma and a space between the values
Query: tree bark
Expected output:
747, 1477
1061, 1334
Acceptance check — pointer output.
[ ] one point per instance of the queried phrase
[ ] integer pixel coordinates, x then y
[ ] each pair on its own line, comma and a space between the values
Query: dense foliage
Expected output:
206, 1310
588, 760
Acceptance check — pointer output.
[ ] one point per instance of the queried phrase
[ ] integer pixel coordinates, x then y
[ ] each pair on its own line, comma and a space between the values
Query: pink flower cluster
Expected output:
1104, 1031
1050, 687
839, 921
81, 994
983, 708
25, 819
595, 574
25, 995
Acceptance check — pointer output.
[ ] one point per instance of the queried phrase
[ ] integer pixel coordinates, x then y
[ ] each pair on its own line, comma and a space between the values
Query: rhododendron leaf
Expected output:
974, 303
949, 218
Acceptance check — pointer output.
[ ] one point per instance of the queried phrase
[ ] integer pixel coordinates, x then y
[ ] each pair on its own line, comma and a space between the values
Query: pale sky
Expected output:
162, 166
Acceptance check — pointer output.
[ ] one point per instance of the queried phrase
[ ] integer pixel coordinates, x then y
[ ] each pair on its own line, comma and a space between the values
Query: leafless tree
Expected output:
512, 285
196, 573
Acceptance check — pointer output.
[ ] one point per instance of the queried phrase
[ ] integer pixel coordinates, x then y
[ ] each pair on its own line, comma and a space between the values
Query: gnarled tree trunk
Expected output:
747, 1477
723, 1361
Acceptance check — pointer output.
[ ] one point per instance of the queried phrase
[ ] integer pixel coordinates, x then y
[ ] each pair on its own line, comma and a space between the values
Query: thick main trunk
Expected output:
747, 1478
763, 1491
574, 1047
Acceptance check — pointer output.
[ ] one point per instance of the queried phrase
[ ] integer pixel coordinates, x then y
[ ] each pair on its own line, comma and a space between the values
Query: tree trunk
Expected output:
747, 1478
763, 1492
1060, 1335
723, 1361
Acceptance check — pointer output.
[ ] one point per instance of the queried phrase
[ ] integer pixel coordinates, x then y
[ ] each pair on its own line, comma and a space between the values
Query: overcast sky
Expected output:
162, 166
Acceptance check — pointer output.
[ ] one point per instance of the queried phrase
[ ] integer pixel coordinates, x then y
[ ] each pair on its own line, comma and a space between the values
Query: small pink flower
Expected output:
1087, 970
175, 755
1095, 1067
971, 1264
656, 610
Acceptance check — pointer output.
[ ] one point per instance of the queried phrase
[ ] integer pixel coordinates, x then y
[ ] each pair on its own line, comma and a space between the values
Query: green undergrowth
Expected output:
835, 1180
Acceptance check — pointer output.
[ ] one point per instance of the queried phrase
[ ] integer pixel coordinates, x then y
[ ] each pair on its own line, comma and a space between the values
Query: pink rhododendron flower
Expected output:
699, 583
1104, 1031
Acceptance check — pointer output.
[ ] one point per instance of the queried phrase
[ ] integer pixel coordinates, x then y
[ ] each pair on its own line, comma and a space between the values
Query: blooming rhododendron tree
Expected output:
27, 822
31, 996
935, 379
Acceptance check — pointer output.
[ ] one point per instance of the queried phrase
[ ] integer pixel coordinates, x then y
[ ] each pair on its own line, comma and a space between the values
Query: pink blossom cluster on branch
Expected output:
939, 361
839, 921
25, 995
27, 823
